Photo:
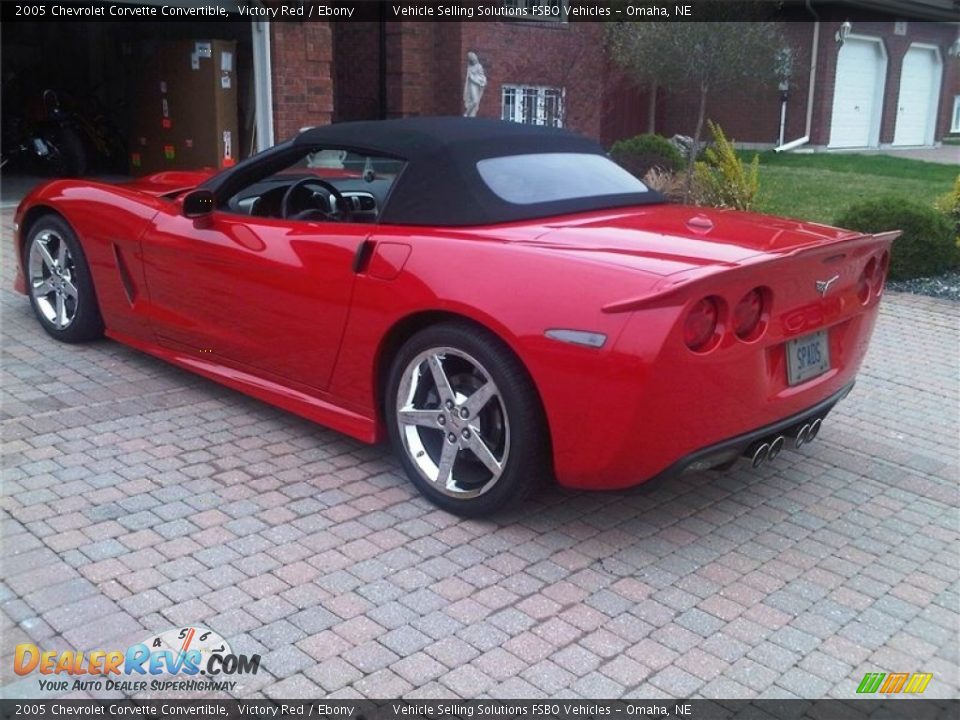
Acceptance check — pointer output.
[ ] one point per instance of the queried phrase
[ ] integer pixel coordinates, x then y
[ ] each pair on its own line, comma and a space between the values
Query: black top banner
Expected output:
530, 11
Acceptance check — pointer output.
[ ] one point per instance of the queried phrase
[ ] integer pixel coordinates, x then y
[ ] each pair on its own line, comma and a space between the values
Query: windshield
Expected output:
549, 177
344, 163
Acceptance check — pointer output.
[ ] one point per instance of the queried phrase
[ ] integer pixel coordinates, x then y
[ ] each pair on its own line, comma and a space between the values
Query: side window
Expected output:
322, 185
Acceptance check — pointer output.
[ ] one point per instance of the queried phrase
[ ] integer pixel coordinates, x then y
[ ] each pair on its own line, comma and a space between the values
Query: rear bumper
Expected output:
659, 408
727, 451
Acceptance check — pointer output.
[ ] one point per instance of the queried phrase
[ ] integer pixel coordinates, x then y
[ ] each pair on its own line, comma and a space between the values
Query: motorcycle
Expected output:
49, 142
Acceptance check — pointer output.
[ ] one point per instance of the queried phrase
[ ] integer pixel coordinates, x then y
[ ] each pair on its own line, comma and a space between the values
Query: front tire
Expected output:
59, 282
465, 420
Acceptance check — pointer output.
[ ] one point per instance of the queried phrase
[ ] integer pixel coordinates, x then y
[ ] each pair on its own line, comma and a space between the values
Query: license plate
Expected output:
807, 357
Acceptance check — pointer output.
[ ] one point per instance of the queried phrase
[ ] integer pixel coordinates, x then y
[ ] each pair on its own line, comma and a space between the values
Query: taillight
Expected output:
881, 275
700, 327
747, 314
866, 281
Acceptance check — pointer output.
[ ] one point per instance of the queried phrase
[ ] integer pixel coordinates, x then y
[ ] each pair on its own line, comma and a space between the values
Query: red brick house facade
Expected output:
753, 115
559, 72
302, 75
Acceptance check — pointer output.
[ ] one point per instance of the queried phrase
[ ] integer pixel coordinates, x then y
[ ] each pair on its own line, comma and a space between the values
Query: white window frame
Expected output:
955, 123
540, 92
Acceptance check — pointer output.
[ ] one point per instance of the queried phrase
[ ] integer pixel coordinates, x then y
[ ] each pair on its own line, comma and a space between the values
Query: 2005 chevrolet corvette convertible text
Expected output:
502, 301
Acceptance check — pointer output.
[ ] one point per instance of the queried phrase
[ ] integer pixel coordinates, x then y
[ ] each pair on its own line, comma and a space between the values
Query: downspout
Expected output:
814, 61
263, 85
783, 119
814, 53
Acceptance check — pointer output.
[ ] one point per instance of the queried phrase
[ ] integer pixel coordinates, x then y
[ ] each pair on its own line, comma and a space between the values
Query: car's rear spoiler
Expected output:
666, 291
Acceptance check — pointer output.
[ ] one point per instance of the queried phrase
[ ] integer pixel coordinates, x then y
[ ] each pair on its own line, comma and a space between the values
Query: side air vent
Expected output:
125, 279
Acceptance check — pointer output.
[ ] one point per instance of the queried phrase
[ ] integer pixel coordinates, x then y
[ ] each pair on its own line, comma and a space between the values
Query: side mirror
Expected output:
198, 203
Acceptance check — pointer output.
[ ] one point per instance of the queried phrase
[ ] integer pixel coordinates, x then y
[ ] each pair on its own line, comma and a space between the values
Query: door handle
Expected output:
362, 257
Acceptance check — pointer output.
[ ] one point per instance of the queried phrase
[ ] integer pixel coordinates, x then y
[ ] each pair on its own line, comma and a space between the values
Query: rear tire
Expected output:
59, 282
72, 160
465, 420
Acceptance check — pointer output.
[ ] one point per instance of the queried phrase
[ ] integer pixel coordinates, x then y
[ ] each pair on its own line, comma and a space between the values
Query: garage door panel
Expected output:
918, 95
857, 95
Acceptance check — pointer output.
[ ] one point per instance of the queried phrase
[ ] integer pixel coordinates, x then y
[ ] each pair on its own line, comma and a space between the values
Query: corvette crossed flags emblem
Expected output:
824, 285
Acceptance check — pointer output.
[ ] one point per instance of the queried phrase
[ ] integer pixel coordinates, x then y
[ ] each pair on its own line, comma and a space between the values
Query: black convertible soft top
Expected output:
440, 183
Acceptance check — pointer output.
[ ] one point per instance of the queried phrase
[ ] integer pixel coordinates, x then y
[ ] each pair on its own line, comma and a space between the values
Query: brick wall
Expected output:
626, 107
425, 67
314, 63
752, 114
951, 88
356, 70
410, 68
302, 55
449, 62
895, 47
568, 55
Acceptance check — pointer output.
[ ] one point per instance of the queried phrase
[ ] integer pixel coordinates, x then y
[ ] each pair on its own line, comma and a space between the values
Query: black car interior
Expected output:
347, 188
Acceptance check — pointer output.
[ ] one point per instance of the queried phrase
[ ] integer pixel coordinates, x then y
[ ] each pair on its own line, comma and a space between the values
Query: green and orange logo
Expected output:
892, 683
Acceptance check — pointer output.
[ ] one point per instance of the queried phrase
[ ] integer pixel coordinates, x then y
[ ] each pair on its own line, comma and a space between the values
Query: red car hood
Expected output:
169, 182
665, 239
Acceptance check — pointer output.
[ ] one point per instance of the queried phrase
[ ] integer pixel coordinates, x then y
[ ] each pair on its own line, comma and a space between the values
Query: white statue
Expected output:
473, 86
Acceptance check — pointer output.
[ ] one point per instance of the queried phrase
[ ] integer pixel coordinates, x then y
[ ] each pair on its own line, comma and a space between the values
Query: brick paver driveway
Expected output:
137, 497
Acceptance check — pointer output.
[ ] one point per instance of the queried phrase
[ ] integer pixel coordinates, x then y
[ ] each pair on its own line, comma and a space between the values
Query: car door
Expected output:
264, 295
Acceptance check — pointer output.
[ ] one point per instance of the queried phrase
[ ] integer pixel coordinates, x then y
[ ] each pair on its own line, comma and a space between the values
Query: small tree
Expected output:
700, 57
722, 180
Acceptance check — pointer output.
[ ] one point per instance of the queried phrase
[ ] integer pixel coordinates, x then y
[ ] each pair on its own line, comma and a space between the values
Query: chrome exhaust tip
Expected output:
760, 455
802, 436
775, 447
814, 429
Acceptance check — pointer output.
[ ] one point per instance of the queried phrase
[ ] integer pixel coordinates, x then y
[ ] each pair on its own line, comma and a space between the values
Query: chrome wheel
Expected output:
52, 279
453, 422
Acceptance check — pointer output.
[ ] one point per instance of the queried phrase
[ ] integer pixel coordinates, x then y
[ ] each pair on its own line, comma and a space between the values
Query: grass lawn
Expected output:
820, 186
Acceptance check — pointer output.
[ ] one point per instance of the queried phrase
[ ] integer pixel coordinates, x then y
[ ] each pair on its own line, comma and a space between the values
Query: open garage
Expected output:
97, 92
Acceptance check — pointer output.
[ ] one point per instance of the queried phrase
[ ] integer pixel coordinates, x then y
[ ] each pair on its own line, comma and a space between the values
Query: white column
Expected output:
262, 84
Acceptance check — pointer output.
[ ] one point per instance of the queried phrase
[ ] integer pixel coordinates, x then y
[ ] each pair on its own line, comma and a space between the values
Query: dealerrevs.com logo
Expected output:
180, 659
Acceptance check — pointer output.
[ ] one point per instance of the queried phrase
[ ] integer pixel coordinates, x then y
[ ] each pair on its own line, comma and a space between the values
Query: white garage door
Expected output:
858, 94
919, 93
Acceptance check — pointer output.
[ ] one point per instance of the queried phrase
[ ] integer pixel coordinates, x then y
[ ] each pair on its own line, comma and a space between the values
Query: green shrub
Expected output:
927, 246
949, 205
721, 179
639, 154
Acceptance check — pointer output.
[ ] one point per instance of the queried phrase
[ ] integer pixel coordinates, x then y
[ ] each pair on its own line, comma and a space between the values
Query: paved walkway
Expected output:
943, 155
137, 497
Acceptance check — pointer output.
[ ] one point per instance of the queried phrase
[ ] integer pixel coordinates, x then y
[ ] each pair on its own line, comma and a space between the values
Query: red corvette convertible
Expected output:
502, 301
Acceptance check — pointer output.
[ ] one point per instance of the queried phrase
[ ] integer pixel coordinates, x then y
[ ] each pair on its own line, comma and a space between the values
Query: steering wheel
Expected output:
333, 199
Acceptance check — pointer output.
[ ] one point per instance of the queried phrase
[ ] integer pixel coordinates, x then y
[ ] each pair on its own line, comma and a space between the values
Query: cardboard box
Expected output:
184, 106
